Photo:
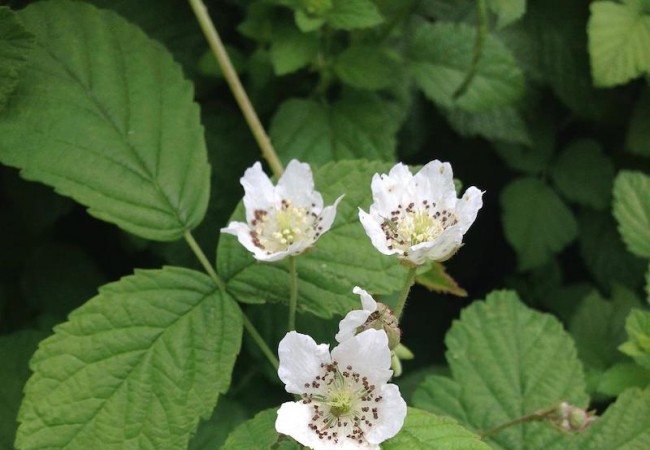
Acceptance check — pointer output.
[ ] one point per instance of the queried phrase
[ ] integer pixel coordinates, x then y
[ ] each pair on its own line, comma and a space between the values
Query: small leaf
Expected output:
291, 49
638, 133
440, 57
423, 430
508, 11
259, 433
352, 14
499, 124
15, 45
632, 211
437, 279
135, 367
623, 376
103, 115
536, 221
341, 259
366, 67
619, 37
637, 346
358, 126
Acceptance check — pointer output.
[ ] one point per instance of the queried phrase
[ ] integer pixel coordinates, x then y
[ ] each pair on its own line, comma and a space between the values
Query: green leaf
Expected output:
104, 115
135, 367
291, 49
506, 360
583, 174
619, 37
366, 67
440, 57
357, 126
638, 132
212, 433
632, 211
647, 283
623, 376
436, 279
500, 124
341, 259
352, 14
15, 45
536, 221
637, 346
259, 433
423, 430
508, 11
624, 426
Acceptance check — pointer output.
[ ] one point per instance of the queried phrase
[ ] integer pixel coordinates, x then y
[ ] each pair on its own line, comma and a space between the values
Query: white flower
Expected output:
281, 220
418, 217
347, 402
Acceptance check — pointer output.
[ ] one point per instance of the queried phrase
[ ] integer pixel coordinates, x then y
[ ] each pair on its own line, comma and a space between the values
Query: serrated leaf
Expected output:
508, 11
583, 174
259, 433
104, 115
15, 45
135, 367
623, 376
423, 430
358, 126
637, 346
619, 37
637, 139
436, 279
352, 14
632, 211
366, 67
212, 433
291, 49
500, 124
507, 361
341, 259
536, 221
440, 395
647, 284
441, 56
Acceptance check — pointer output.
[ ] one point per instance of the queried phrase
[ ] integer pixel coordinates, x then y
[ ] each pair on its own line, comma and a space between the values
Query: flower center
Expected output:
343, 404
276, 229
407, 227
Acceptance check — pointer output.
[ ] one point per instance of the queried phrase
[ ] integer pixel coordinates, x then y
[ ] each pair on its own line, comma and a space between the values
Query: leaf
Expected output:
637, 346
508, 11
142, 136
135, 367
341, 259
15, 45
436, 279
366, 67
291, 49
623, 376
440, 57
259, 433
536, 221
352, 14
212, 433
632, 211
423, 430
500, 124
506, 361
583, 174
358, 126
619, 36
637, 140
647, 283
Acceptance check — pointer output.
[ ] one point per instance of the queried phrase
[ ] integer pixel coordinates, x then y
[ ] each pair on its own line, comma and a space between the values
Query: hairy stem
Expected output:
532, 417
212, 36
293, 293
259, 340
203, 259
481, 31
401, 301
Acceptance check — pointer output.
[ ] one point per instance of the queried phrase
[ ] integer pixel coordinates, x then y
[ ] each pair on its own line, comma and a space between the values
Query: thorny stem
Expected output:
401, 301
219, 282
481, 31
212, 36
532, 417
293, 293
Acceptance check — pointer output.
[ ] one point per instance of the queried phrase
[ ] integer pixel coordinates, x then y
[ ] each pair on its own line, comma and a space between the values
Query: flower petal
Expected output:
243, 233
348, 326
436, 181
375, 233
259, 192
439, 250
300, 360
367, 302
367, 353
328, 215
297, 184
391, 412
468, 206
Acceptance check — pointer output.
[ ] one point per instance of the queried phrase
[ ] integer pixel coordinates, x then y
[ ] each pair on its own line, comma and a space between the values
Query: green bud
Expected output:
384, 319
316, 7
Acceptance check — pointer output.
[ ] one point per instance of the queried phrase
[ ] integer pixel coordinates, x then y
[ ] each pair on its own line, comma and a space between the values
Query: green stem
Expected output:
259, 341
481, 31
532, 417
293, 293
229, 73
401, 301
203, 260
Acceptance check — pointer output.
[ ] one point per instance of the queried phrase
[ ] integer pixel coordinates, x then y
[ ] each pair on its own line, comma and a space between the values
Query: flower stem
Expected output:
293, 293
401, 301
259, 340
203, 259
481, 31
229, 73
532, 417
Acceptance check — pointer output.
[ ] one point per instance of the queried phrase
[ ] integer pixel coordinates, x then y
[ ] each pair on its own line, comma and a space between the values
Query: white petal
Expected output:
375, 233
439, 250
348, 326
297, 184
368, 354
243, 233
438, 180
328, 215
392, 412
468, 206
387, 194
400, 173
367, 302
300, 360
259, 192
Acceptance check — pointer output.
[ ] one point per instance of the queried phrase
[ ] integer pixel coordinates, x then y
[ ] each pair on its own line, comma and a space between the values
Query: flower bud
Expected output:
383, 319
572, 418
